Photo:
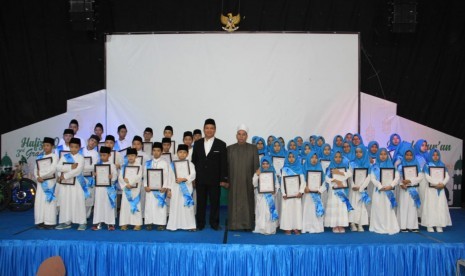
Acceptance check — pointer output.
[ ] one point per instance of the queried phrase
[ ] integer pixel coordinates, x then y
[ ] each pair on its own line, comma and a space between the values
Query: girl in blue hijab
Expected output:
261, 146
357, 140
394, 141
409, 198
338, 141
373, 148
421, 152
266, 212
435, 210
306, 149
383, 219
357, 194
312, 140
291, 209
300, 142
338, 205
325, 152
292, 145
348, 151
269, 142
313, 210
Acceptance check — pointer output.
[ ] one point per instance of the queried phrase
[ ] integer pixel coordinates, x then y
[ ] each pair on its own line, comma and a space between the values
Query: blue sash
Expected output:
59, 149
82, 181
132, 201
392, 198
49, 192
161, 197
365, 198
116, 146
271, 206
431, 164
319, 209
188, 201
111, 191
340, 193
415, 196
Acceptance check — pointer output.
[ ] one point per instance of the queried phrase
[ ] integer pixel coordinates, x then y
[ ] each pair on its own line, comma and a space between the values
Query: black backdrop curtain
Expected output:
44, 62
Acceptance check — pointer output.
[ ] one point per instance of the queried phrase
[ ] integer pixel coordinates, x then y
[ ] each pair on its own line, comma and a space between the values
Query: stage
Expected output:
209, 252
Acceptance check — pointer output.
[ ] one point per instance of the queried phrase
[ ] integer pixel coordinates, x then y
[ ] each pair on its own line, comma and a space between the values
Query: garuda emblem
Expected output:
230, 22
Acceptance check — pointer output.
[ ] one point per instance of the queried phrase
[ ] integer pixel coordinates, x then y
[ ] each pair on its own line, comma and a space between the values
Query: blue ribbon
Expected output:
415, 196
270, 201
132, 201
344, 199
82, 181
365, 198
59, 149
391, 197
188, 201
111, 191
49, 192
160, 197
319, 209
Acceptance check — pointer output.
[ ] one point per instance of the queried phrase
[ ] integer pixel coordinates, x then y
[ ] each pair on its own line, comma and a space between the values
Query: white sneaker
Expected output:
360, 228
353, 227
439, 229
430, 229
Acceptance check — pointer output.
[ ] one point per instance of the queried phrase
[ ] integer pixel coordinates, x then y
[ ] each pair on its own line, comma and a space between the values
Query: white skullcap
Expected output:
243, 127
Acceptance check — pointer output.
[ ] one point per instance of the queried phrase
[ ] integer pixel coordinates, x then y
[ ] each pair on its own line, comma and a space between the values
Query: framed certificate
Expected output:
360, 174
87, 162
102, 175
100, 144
386, 176
391, 154
292, 185
278, 163
181, 169
139, 160
314, 180
155, 179
124, 151
71, 181
63, 152
338, 177
173, 147
260, 156
410, 172
113, 156
167, 157
325, 163
437, 173
147, 148
131, 172
45, 164
266, 182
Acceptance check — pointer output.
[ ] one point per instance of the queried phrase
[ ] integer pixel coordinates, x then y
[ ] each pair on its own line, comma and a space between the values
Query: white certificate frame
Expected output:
386, 176
167, 157
345, 181
260, 156
173, 147
99, 145
358, 173
266, 182
291, 185
70, 181
63, 152
437, 173
155, 179
325, 163
409, 172
181, 169
132, 171
314, 180
113, 154
45, 164
278, 162
147, 147
102, 173
139, 160
87, 161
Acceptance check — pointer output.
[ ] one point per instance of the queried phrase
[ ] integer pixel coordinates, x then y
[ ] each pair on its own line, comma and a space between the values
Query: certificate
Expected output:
167, 157
100, 144
147, 148
339, 177
391, 154
173, 147
102, 175
325, 163
113, 155
278, 163
131, 172
155, 179
292, 185
438, 174
360, 174
260, 156
314, 180
45, 165
266, 182
87, 162
63, 152
71, 181
181, 169
124, 151
410, 172
139, 160
386, 176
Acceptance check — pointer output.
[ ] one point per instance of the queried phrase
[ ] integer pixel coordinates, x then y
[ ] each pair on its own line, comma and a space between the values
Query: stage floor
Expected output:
236, 252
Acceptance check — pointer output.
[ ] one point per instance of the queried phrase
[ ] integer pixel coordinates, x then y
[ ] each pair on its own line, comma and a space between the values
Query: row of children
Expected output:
406, 184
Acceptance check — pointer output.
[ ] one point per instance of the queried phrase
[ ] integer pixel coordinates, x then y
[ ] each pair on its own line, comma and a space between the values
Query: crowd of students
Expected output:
351, 190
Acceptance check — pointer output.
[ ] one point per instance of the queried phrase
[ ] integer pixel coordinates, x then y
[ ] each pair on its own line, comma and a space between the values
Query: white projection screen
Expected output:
285, 84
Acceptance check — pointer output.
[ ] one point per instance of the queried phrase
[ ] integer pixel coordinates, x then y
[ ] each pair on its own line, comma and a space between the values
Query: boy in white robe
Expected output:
105, 197
141, 159
71, 197
168, 133
130, 212
90, 153
182, 215
122, 143
156, 211
67, 135
45, 211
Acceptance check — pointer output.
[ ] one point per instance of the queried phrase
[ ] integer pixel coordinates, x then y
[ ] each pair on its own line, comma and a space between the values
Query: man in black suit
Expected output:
210, 160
